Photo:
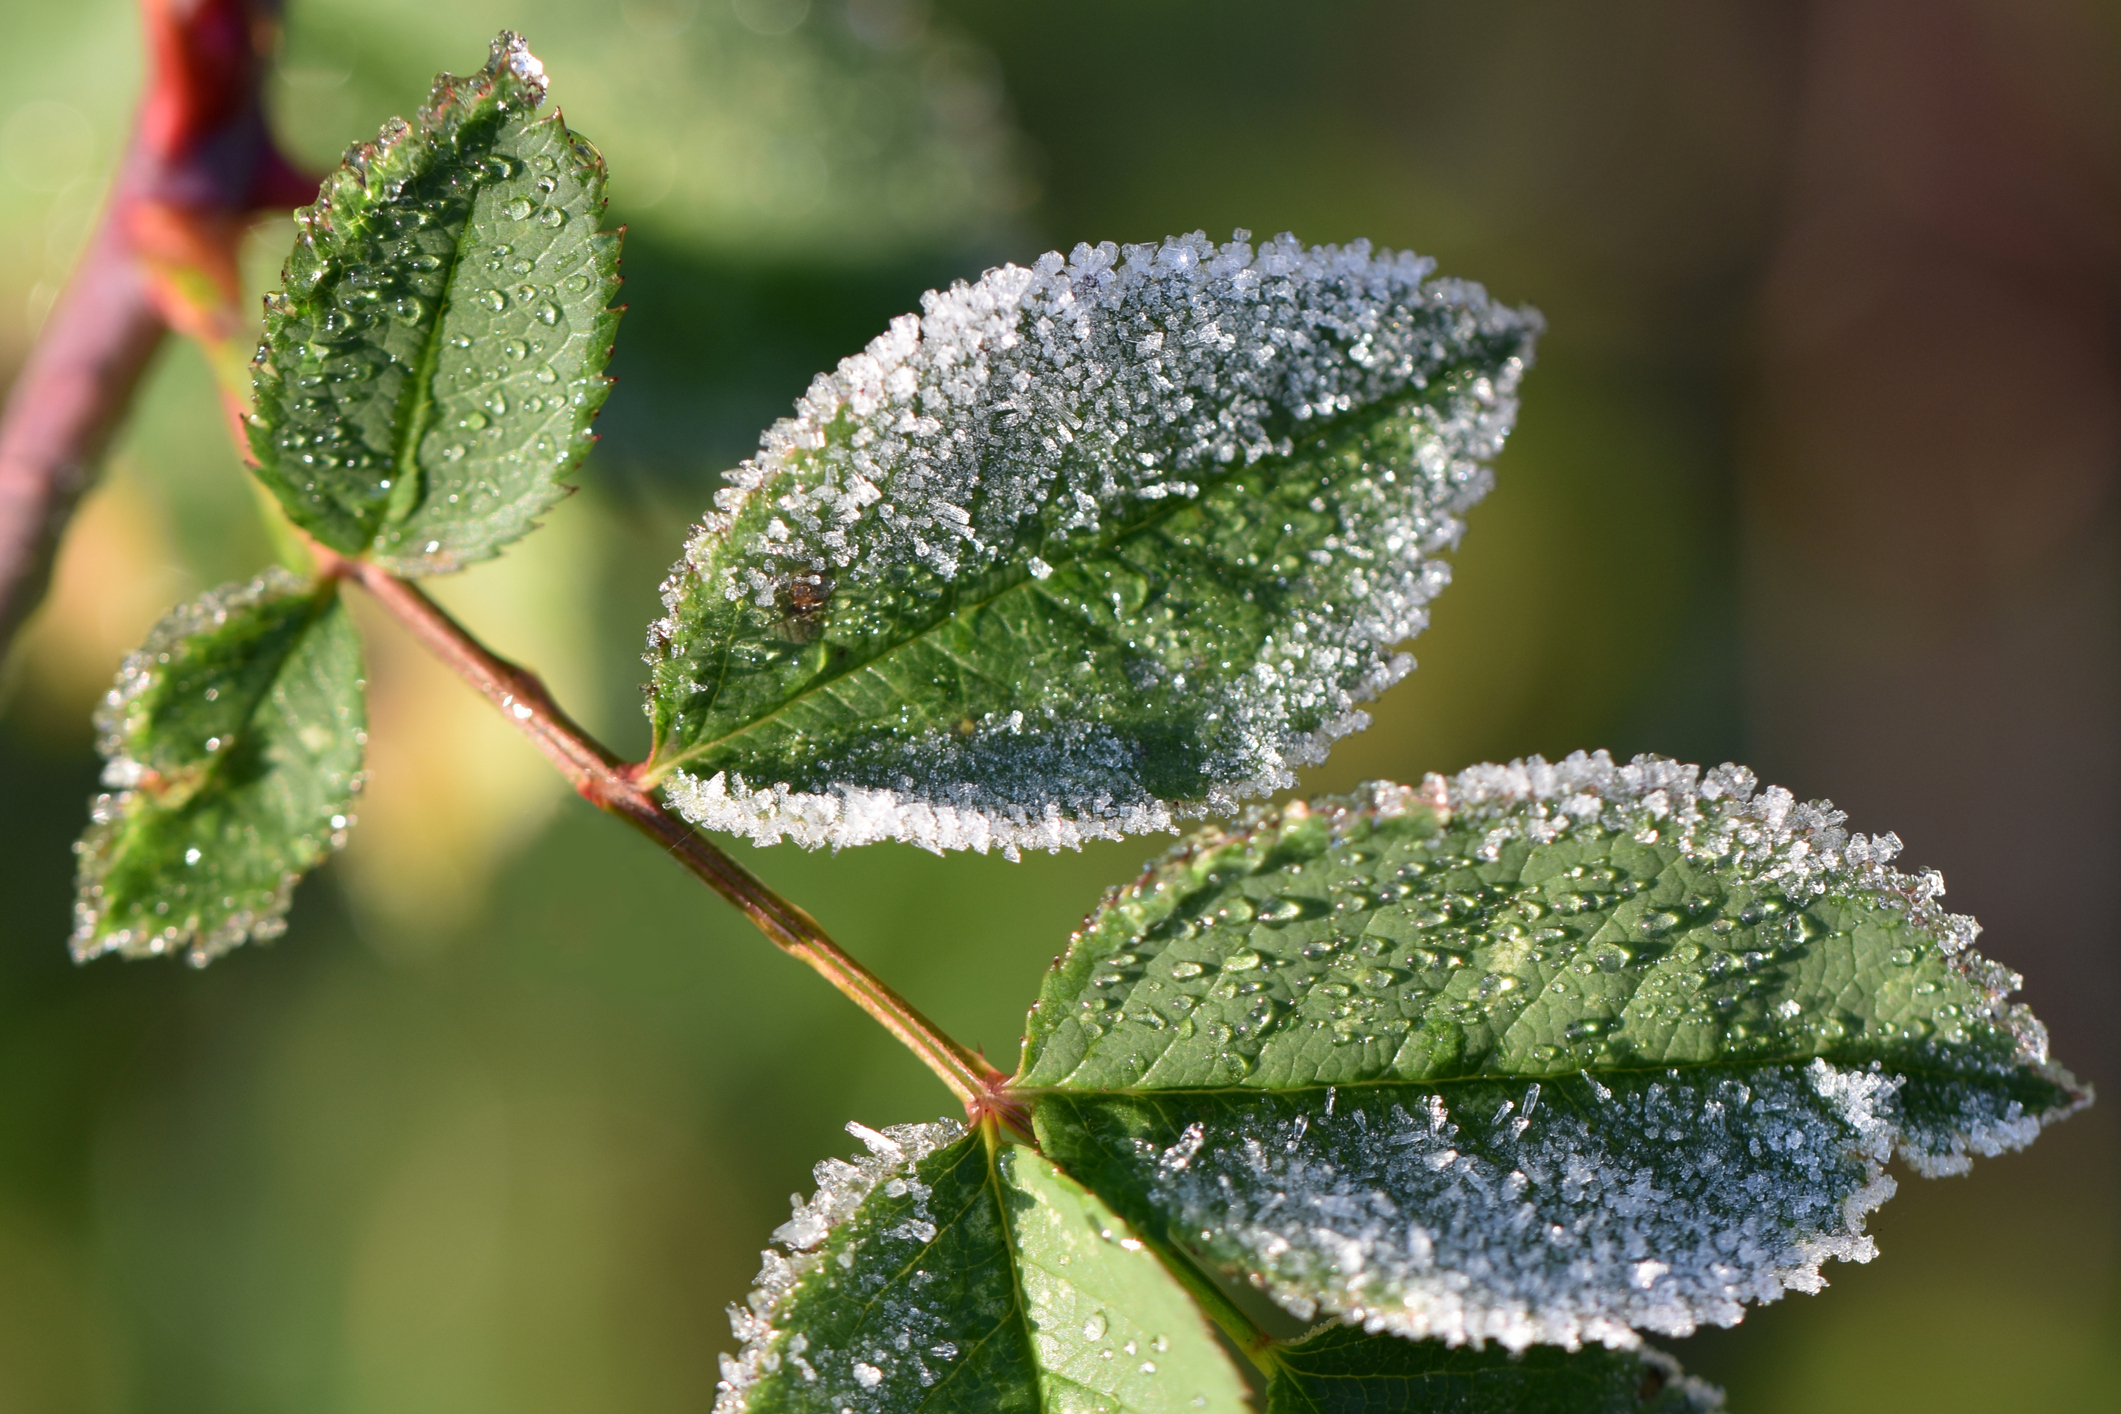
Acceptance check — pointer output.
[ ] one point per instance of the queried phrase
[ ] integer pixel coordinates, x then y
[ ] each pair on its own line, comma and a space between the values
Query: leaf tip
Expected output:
511, 54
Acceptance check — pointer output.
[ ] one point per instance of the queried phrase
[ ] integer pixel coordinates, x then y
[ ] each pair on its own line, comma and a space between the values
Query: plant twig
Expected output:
67, 401
198, 165
602, 779
163, 256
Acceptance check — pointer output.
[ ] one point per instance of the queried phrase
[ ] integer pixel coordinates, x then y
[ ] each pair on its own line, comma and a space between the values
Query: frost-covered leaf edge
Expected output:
842, 1185
893, 1154
850, 814
1164, 1334
1407, 1213
1802, 847
110, 810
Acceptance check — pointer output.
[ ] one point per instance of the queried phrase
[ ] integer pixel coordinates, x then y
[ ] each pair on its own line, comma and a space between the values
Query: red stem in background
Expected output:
67, 400
199, 165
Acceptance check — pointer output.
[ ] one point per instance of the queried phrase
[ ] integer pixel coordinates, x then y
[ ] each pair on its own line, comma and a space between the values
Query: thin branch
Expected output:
601, 778
67, 401
164, 255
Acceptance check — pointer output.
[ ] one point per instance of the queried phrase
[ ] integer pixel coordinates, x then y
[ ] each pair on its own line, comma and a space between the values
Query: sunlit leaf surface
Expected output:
431, 368
1544, 1053
1082, 549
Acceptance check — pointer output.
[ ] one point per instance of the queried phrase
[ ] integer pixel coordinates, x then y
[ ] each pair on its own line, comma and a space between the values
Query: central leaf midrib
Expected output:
991, 1146
1039, 1092
417, 402
319, 600
1021, 576
1016, 577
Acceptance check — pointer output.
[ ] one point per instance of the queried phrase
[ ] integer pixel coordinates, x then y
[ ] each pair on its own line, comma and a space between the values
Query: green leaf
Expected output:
1545, 1053
1339, 1370
430, 372
234, 740
945, 1271
1089, 547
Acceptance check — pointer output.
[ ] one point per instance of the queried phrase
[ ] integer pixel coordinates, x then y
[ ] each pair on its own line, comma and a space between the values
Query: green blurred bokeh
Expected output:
502, 1122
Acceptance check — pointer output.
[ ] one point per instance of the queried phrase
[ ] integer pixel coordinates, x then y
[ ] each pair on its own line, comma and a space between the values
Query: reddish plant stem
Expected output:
199, 163
608, 783
66, 403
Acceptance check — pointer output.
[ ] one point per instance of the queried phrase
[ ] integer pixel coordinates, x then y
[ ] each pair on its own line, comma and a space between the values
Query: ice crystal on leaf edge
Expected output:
1406, 1212
202, 930
1768, 836
842, 1185
1077, 391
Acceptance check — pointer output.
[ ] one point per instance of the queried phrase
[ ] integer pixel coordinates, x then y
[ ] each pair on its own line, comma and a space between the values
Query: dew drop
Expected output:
519, 209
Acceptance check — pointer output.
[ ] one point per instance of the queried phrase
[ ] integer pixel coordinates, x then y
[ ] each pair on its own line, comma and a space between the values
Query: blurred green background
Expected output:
1816, 472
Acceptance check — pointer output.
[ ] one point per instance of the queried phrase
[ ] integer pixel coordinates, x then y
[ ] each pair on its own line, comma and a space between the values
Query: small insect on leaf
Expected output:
803, 607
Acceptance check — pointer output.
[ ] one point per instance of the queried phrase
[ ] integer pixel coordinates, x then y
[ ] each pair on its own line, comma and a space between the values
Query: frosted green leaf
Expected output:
1543, 1053
1083, 549
430, 371
1340, 1370
944, 1272
233, 739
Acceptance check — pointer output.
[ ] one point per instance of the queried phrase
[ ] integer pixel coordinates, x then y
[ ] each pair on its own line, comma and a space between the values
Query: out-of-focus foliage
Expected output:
823, 132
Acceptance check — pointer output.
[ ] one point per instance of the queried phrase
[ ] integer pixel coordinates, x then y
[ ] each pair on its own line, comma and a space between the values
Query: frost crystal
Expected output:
200, 929
1645, 1204
842, 1186
1723, 817
1021, 419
